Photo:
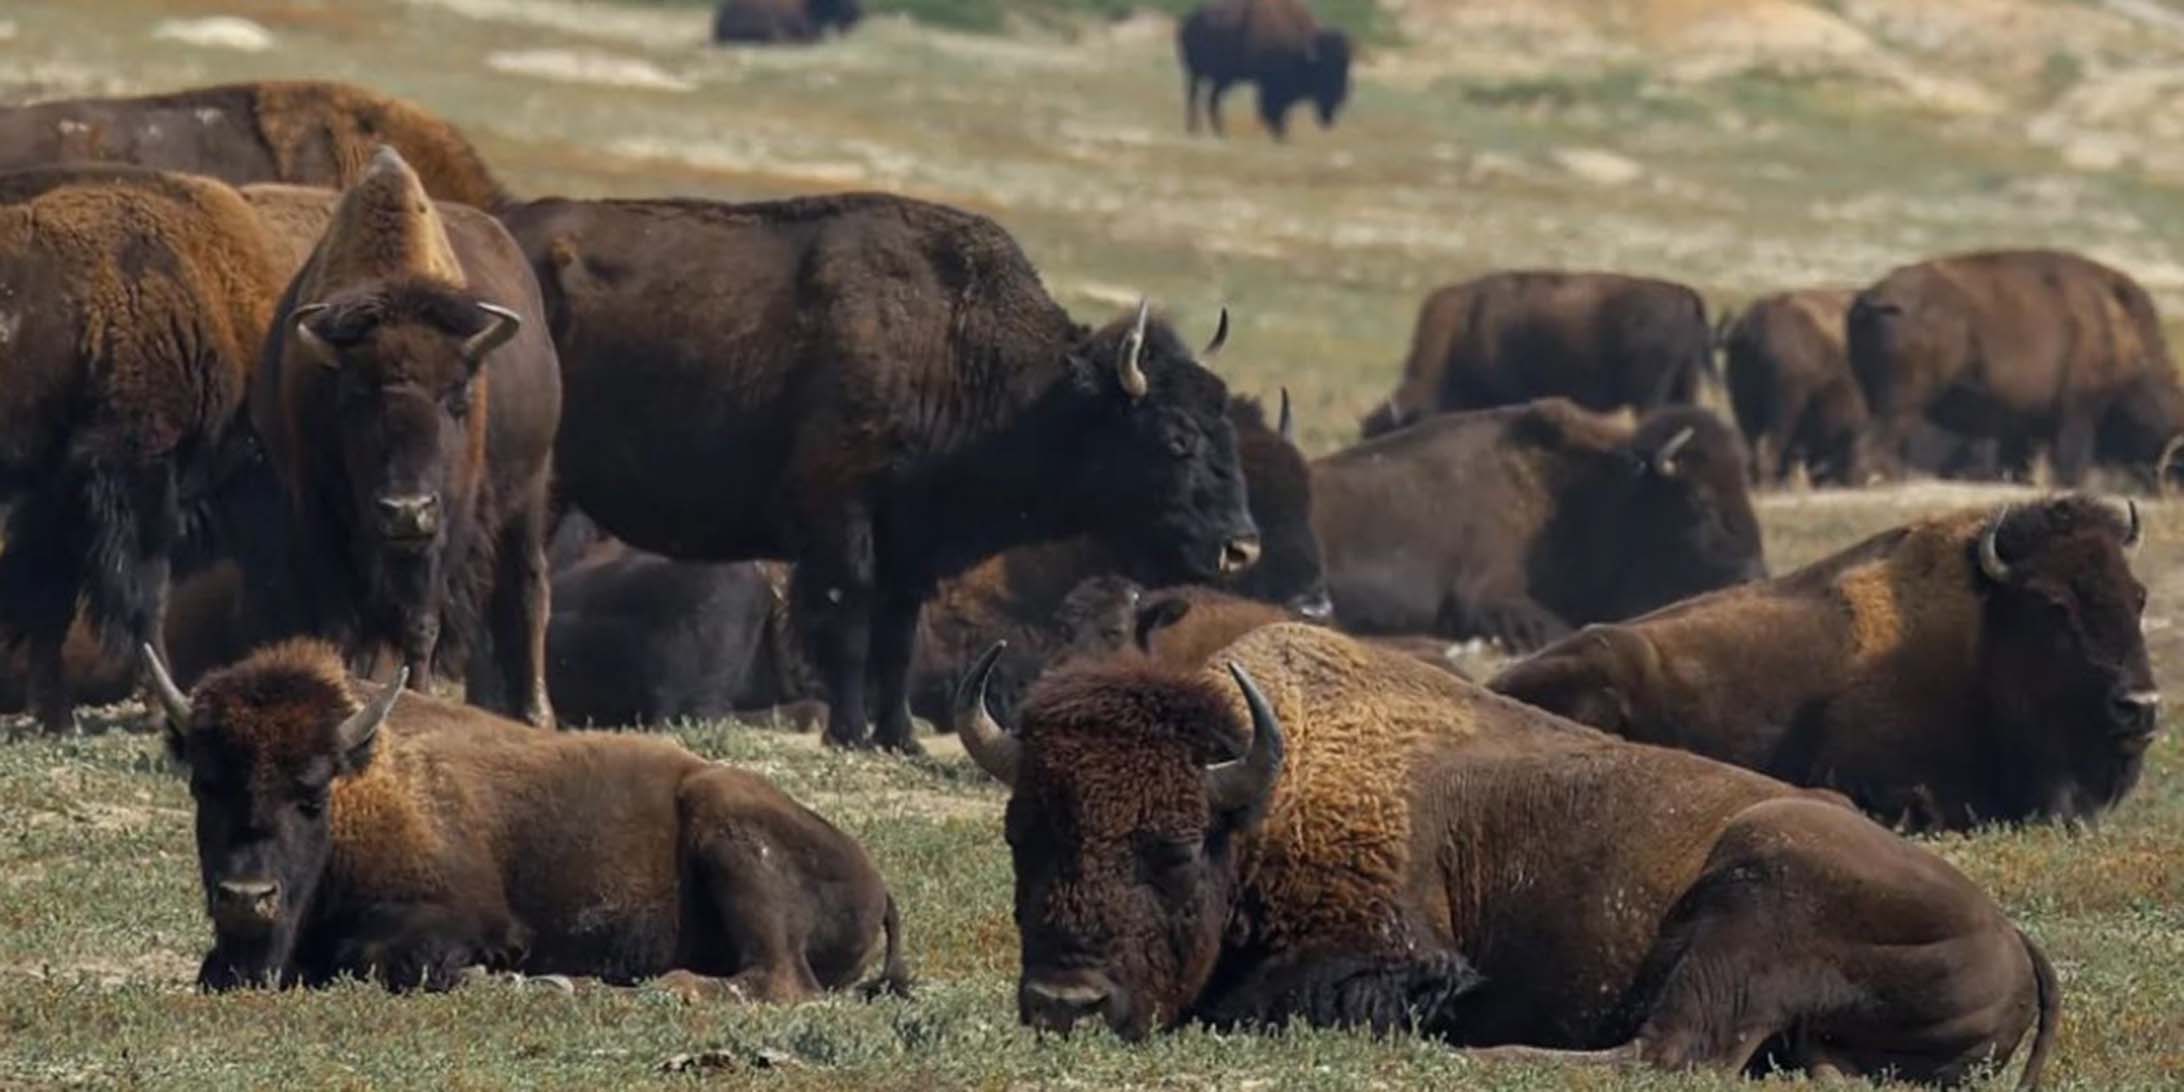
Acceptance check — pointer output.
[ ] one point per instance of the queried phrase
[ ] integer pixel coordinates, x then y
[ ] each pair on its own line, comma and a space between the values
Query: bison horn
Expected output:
1133, 346
300, 319
1220, 338
2132, 527
1664, 460
502, 324
171, 699
995, 751
1990, 556
1244, 783
2169, 453
364, 724
1287, 427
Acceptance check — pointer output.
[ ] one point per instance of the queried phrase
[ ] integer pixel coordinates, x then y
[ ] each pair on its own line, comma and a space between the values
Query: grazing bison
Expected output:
407, 403
408, 842
309, 132
1790, 383
2027, 348
1602, 340
1386, 835
2144, 432
1276, 44
762, 21
1520, 523
132, 304
1979, 667
878, 389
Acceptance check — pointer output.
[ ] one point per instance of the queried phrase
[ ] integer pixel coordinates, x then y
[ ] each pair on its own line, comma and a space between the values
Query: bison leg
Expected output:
894, 640
764, 915
2074, 444
41, 573
831, 594
1518, 622
517, 615
134, 519
1190, 100
1274, 110
1213, 106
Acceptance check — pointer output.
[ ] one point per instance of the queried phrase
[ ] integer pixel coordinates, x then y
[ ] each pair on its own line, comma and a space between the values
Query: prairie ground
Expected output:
1740, 145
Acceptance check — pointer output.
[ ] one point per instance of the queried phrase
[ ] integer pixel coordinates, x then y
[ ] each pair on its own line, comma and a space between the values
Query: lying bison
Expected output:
1979, 667
407, 403
1276, 44
1520, 523
765, 21
1602, 340
2029, 348
1790, 383
406, 844
1385, 835
877, 389
309, 132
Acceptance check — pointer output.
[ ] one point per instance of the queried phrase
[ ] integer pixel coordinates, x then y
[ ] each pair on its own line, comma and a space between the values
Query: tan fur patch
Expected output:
299, 119
1824, 309
383, 227
1921, 585
294, 216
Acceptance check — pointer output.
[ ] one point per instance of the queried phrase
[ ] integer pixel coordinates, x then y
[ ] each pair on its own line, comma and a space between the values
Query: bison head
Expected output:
1676, 496
2064, 658
1279, 487
2143, 432
1124, 824
266, 744
1156, 467
1327, 73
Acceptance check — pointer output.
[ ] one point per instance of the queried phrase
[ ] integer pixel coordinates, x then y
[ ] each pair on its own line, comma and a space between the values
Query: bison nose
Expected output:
2135, 713
1057, 1006
247, 899
1313, 606
1239, 553
415, 515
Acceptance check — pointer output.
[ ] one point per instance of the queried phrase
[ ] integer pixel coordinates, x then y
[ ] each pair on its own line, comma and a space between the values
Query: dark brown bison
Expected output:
407, 405
878, 389
762, 21
132, 304
408, 841
2029, 348
1602, 340
2143, 434
1979, 667
1520, 523
310, 132
1184, 627
1368, 841
1790, 383
1276, 44
205, 628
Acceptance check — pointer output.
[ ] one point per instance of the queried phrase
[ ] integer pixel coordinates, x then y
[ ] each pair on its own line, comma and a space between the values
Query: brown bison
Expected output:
2143, 434
1184, 627
1979, 667
407, 842
1520, 523
2028, 348
205, 628
763, 21
1602, 340
878, 389
1276, 44
309, 132
1790, 383
1367, 841
407, 404
132, 304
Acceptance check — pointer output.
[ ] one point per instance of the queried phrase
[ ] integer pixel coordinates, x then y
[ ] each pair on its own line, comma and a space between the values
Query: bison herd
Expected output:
299, 407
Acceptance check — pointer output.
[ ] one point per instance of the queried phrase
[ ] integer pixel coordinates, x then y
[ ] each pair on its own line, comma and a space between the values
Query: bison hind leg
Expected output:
41, 576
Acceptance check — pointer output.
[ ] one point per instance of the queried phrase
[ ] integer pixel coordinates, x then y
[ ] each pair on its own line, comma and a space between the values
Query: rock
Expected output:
1601, 168
216, 32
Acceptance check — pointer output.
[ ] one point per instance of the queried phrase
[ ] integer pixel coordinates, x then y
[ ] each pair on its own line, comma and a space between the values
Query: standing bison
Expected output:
2027, 348
1276, 44
1791, 386
1370, 842
1601, 340
1980, 667
406, 840
407, 403
878, 389
764, 21
308, 132
1520, 523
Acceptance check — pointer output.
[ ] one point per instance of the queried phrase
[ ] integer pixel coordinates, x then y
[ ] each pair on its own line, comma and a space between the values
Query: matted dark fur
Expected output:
1276, 44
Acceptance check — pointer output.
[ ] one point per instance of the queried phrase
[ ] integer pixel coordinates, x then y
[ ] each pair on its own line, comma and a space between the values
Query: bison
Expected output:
878, 389
205, 628
1367, 841
1520, 523
2143, 433
2028, 348
1186, 626
407, 841
763, 21
1602, 340
1276, 44
308, 132
1790, 383
407, 405
1980, 667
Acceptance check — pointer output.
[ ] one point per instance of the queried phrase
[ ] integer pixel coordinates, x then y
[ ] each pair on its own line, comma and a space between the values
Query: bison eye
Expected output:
1169, 854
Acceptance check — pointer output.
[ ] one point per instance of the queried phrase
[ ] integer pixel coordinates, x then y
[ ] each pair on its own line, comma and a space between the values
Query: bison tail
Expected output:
894, 977
2051, 1013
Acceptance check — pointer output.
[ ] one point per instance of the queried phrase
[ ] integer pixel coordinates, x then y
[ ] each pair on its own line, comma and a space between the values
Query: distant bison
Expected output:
309, 132
1369, 842
1520, 523
2143, 434
783, 20
406, 843
1790, 383
878, 389
2029, 348
407, 404
1980, 667
1276, 44
1602, 340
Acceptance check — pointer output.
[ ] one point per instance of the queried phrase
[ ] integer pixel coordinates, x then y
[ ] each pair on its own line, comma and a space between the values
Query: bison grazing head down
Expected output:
265, 745
1124, 826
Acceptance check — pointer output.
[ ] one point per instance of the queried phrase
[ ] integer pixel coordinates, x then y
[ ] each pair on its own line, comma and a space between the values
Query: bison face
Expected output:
1279, 486
1327, 74
1156, 463
1688, 512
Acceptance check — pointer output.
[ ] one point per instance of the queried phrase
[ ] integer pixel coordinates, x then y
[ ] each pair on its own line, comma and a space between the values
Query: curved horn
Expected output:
1990, 557
1127, 371
1246, 782
995, 751
171, 699
1664, 460
362, 725
501, 325
1220, 338
2132, 527
299, 320
2169, 453
1287, 426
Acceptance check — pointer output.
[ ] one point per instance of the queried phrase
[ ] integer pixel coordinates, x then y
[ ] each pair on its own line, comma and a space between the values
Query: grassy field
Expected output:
1741, 145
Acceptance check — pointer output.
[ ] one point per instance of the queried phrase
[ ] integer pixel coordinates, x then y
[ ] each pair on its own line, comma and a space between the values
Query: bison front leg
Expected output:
41, 571
832, 595
517, 615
